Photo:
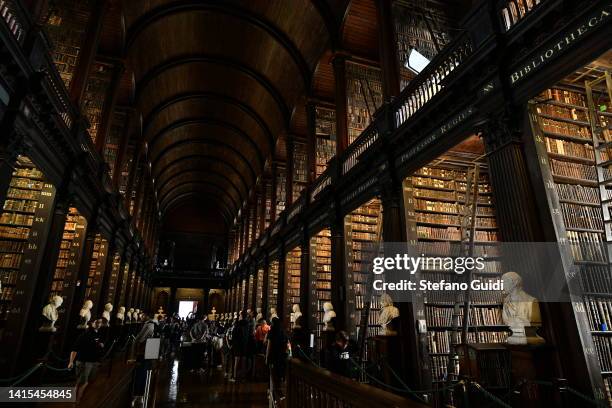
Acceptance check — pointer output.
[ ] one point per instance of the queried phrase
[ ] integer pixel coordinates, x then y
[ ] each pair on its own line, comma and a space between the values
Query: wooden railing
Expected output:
320, 184
10, 15
516, 10
359, 145
312, 387
430, 81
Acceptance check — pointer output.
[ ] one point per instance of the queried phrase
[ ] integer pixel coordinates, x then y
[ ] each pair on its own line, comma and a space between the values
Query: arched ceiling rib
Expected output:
216, 83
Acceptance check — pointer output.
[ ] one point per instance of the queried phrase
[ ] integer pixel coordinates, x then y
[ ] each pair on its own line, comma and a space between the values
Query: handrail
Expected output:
309, 386
515, 11
320, 184
295, 209
430, 81
10, 14
359, 145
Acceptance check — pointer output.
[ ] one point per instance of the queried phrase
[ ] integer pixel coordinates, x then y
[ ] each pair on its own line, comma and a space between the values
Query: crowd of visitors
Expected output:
243, 347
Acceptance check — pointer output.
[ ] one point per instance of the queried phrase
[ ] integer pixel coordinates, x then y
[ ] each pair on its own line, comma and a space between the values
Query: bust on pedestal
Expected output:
273, 313
85, 314
329, 317
295, 314
212, 316
50, 315
106, 314
387, 314
120, 316
130, 316
258, 315
521, 311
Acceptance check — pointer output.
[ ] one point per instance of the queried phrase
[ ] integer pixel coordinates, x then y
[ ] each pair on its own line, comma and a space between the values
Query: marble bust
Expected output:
258, 315
273, 313
295, 313
328, 316
387, 314
130, 315
50, 314
521, 311
120, 315
108, 308
85, 314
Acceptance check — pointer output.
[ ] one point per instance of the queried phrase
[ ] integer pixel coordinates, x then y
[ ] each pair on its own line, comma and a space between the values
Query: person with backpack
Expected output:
228, 359
199, 338
150, 329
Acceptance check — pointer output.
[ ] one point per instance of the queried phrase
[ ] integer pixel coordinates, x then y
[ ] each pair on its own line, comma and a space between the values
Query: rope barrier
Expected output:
584, 397
403, 384
306, 356
19, 378
56, 368
490, 396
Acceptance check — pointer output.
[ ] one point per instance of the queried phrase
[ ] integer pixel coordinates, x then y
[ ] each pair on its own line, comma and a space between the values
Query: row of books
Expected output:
425, 182
16, 219
7, 293
436, 194
272, 285
587, 246
565, 128
17, 194
482, 199
582, 216
564, 96
10, 260
596, 278
439, 368
563, 147
20, 205
449, 233
563, 112
12, 246
577, 192
603, 345
479, 316
439, 341
483, 187
573, 170
25, 183
28, 172
599, 313
293, 267
8, 277
476, 297
14, 232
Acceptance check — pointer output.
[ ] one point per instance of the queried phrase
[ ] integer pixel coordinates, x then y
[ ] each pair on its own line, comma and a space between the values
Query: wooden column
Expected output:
282, 286
108, 269
289, 171
84, 267
262, 208
307, 288
265, 287
339, 64
87, 52
339, 273
132, 176
106, 117
387, 49
122, 150
311, 144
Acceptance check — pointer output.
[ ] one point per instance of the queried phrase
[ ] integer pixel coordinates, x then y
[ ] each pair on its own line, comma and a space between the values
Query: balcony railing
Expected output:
430, 81
320, 184
10, 15
516, 10
359, 145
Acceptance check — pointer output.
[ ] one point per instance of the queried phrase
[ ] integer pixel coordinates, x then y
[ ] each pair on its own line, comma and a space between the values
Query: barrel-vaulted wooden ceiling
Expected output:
217, 84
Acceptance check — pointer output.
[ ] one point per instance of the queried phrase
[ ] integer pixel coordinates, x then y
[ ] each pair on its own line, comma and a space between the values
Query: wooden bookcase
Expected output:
292, 280
259, 289
325, 148
362, 229
321, 280
281, 186
24, 227
125, 274
435, 196
113, 280
68, 262
273, 287
364, 97
251, 294
300, 168
96, 269
571, 127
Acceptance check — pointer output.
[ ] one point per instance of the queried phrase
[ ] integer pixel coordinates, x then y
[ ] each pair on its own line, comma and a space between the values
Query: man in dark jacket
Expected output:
87, 352
338, 355
240, 342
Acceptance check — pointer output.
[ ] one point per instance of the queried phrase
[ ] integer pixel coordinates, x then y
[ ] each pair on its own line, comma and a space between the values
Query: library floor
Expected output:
179, 388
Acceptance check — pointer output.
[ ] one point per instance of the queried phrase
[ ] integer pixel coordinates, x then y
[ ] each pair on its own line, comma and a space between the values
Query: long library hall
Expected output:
306, 203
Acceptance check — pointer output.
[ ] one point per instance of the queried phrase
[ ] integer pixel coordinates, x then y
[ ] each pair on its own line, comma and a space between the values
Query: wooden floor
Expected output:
179, 388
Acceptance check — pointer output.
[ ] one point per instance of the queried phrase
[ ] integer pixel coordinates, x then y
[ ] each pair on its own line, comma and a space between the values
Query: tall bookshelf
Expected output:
125, 274
24, 226
325, 148
436, 196
292, 280
113, 139
273, 287
362, 229
98, 83
571, 124
320, 278
96, 269
259, 288
268, 198
113, 280
300, 168
242, 299
364, 97
251, 292
281, 186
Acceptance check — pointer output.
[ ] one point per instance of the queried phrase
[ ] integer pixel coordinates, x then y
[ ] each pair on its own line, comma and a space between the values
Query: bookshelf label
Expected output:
559, 45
